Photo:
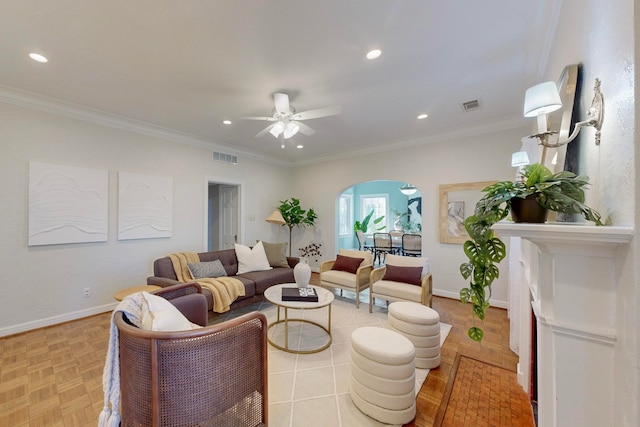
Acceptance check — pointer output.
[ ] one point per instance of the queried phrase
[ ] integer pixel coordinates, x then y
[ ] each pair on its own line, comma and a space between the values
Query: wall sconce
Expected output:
408, 189
539, 105
519, 158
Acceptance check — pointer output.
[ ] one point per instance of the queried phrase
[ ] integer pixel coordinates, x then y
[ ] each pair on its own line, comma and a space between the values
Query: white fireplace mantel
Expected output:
573, 295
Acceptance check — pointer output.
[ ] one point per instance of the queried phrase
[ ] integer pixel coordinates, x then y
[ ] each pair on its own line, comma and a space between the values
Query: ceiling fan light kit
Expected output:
286, 118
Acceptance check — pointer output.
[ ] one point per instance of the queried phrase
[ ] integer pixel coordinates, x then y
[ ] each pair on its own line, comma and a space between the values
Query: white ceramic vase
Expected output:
302, 273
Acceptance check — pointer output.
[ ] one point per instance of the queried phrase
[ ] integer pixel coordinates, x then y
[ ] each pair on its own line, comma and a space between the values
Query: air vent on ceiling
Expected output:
227, 158
471, 105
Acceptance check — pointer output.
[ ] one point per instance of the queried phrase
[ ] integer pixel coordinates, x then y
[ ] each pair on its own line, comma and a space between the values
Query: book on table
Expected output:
299, 294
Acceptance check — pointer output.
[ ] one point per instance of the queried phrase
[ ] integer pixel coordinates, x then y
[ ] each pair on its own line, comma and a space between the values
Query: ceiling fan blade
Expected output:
320, 112
282, 103
305, 129
270, 119
265, 130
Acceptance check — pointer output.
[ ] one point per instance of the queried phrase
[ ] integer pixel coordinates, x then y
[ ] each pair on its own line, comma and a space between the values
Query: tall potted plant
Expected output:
295, 216
360, 228
560, 192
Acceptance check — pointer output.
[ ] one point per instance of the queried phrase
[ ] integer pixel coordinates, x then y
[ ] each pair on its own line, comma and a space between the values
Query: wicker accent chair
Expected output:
398, 291
212, 376
357, 282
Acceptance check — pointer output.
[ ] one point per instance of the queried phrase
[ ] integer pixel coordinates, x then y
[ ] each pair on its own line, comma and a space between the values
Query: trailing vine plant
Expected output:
560, 192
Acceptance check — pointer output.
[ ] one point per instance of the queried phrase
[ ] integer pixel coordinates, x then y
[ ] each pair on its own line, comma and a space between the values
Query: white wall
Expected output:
480, 158
43, 285
600, 36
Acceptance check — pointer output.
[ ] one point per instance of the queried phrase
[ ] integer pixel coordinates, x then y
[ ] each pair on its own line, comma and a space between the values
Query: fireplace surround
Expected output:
571, 279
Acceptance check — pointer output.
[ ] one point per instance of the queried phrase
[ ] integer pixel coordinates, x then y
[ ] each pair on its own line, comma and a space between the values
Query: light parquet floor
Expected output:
53, 376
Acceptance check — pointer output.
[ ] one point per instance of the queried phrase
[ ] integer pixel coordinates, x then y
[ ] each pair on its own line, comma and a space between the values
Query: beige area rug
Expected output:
307, 390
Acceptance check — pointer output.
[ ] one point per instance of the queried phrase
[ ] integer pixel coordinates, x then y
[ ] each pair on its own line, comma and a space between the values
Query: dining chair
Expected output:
382, 245
412, 245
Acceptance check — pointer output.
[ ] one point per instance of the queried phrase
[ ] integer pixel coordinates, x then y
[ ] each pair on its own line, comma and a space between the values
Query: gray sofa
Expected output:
254, 282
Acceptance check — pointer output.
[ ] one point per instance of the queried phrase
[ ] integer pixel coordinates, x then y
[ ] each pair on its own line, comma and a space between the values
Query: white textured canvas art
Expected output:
145, 205
67, 204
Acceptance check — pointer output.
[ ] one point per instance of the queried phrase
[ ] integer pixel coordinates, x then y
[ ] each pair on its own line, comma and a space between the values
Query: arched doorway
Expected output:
401, 212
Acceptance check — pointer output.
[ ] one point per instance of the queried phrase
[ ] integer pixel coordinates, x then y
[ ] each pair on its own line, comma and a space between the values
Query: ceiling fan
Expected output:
286, 121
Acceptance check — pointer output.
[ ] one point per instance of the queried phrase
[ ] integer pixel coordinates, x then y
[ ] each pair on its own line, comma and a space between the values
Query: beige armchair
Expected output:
354, 282
392, 290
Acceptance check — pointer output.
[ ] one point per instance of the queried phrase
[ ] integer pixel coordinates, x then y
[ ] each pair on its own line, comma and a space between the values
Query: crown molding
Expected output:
32, 101
508, 123
58, 107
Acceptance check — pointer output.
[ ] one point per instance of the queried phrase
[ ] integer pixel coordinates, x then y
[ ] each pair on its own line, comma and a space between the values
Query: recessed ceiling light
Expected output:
299, 146
423, 116
37, 57
226, 122
373, 54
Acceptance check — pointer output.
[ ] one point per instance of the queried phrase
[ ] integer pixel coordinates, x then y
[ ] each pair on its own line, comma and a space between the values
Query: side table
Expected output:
121, 294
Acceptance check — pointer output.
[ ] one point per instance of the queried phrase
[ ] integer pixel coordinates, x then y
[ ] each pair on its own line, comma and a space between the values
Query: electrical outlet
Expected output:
86, 292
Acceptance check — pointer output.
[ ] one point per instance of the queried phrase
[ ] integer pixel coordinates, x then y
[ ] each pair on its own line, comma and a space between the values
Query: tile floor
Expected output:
313, 389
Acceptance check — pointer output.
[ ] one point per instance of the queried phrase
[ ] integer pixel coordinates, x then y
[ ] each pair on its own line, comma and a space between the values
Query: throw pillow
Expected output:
158, 314
276, 254
410, 275
348, 264
201, 270
251, 259
410, 261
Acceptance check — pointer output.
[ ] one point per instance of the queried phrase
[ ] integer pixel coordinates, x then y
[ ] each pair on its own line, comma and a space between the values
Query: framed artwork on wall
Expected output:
67, 204
145, 205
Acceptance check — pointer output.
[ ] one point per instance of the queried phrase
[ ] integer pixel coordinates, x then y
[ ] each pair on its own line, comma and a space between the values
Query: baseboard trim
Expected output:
54, 320
454, 295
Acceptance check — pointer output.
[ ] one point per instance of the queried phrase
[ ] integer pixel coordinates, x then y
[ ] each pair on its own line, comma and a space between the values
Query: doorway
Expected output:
224, 206
400, 212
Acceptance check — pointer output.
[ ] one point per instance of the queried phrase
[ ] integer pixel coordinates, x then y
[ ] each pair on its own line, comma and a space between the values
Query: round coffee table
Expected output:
273, 294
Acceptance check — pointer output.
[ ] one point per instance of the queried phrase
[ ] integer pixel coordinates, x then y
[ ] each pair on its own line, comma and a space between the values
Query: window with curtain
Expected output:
345, 215
379, 203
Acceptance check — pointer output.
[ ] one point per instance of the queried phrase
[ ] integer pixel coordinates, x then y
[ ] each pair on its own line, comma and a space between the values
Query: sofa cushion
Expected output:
251, 259
410, 275
201, 270
158, 314
338, 277
264, 279
346, 263
276, 253
226, 256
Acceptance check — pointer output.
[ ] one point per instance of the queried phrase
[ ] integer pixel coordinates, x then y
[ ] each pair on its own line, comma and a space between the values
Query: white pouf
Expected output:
383, 375
420, 325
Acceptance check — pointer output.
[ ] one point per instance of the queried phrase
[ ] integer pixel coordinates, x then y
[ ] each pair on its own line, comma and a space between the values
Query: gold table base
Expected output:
286, 321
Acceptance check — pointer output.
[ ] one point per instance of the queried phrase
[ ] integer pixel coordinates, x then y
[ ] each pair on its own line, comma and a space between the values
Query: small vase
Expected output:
302, 273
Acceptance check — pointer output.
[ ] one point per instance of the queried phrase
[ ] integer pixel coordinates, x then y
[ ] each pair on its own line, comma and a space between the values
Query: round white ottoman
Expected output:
383, 375
420, 325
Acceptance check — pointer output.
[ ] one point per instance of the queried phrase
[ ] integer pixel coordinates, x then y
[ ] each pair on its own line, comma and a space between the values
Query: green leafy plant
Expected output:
295, 216
364, 225
560, 192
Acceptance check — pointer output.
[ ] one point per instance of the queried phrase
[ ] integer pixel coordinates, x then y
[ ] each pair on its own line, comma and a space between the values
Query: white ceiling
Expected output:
187, 65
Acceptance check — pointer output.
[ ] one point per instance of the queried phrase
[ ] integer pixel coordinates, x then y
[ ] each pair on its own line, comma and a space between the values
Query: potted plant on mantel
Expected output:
295, 216
538, 190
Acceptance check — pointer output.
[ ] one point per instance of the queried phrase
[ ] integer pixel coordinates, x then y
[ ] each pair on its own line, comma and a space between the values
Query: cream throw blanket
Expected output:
225, 290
